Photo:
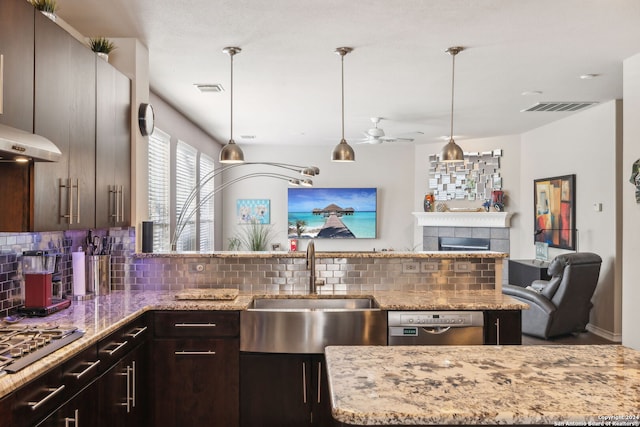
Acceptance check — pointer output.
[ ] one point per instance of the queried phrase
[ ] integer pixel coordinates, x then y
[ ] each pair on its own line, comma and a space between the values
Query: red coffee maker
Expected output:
38, 270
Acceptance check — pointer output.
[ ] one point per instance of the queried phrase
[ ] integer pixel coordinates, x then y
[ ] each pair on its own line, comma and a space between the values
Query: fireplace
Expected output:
463, 244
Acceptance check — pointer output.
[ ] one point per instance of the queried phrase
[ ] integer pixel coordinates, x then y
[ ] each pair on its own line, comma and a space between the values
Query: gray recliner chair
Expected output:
561, 305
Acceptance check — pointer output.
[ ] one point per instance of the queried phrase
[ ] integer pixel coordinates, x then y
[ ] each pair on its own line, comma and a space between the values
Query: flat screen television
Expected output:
332, 213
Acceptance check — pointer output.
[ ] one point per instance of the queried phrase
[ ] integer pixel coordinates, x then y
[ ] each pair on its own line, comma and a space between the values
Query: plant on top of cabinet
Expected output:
102, 46
47, 7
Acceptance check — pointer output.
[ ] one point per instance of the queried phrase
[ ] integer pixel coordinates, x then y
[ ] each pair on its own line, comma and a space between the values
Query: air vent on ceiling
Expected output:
208, 87
558, 106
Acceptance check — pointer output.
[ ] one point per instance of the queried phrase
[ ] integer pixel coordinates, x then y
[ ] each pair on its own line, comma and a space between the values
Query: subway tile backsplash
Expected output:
251, 274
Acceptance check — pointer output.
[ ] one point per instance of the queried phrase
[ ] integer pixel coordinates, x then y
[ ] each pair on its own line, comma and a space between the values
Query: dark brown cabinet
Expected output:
284, 390
16, 47
196, 369
503, 327
80, 411
113, 146
16, 107
122, 391
65, 113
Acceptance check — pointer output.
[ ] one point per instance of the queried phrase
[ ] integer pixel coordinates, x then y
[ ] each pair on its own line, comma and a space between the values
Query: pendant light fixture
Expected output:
452, 151
343, 151
231, 153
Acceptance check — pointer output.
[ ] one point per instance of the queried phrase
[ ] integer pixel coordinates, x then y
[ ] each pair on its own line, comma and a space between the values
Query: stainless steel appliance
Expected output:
22, 345
435, 328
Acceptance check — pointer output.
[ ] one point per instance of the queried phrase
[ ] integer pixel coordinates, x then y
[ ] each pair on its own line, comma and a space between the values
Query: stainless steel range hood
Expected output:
18, 144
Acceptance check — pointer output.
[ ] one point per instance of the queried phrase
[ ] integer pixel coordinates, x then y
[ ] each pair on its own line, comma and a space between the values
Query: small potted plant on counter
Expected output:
102, 47
47, 7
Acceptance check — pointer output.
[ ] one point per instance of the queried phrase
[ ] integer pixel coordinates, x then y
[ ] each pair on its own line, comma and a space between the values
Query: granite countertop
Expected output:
102, 315
327, 254
419, 385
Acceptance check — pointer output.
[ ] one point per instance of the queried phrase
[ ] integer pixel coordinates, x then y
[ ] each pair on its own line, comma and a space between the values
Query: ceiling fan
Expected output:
376, 135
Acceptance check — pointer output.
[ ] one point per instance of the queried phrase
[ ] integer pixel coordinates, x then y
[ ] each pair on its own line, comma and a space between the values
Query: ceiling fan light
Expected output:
343, 153
452, 152
231, 153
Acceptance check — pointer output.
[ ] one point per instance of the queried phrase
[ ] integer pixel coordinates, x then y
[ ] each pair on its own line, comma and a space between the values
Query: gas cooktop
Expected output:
22, 345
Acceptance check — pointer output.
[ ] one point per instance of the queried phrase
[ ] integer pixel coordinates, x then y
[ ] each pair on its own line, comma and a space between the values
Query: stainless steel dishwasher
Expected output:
436, 328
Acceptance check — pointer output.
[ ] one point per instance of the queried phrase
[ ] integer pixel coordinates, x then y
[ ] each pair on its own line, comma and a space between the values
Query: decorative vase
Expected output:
103, 55
428, 202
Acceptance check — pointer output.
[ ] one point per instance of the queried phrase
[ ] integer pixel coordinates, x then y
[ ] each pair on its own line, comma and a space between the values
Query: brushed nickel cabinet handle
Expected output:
195, 325
118, 345
73, 420
133, 386
137, 332
304, 382
194, 353
1, 83
52, 393
319, 376
88, 369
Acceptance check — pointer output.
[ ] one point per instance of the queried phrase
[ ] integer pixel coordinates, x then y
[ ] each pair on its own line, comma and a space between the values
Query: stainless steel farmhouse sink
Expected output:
308, 325
313, 304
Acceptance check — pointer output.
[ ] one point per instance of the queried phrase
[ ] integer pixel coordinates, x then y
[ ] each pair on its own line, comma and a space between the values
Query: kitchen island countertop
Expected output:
419, 385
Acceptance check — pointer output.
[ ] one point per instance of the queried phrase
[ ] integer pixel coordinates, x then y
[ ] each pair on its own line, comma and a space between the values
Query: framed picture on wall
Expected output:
250, 211
554, 213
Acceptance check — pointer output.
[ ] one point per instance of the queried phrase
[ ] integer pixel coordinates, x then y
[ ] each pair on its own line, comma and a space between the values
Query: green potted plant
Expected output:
256, 236
47, 7
101, 46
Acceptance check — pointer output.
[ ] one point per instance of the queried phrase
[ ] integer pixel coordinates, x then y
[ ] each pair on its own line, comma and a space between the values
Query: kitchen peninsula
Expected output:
554, 385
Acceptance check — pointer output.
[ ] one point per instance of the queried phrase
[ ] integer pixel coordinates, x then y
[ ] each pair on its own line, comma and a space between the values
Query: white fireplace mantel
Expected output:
464, 219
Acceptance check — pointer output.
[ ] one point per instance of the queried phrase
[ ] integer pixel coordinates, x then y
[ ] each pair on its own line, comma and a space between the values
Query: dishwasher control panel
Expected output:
435, 318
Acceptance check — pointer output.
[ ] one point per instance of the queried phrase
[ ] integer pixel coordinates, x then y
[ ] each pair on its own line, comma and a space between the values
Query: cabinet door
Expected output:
6, 411
64, 112
321, 405
503, 327
123, 392
16, 47
113, 146
80, 411
276, 390
196, 382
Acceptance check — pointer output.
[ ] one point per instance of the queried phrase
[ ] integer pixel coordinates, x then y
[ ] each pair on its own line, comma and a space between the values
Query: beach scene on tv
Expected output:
332, 213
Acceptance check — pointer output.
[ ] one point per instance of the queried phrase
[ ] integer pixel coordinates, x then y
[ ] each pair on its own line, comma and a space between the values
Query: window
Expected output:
159, 184
206, 209
186, 203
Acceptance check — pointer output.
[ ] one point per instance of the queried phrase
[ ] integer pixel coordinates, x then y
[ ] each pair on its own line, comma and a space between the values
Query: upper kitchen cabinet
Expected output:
16, 48
65, 113
113, 146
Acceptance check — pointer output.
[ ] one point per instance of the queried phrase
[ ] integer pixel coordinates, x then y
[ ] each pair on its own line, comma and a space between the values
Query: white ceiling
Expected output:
287, 78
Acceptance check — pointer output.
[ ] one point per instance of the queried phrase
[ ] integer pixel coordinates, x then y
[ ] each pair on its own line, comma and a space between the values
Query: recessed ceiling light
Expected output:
589, 76
209, 87
531, 92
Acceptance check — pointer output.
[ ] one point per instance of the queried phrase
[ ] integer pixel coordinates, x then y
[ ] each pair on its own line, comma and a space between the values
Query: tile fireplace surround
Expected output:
485, 225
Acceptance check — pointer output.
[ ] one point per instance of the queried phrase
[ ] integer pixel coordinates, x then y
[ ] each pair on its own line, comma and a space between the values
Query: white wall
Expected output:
509, 170
584, 144
630, 208
388, 167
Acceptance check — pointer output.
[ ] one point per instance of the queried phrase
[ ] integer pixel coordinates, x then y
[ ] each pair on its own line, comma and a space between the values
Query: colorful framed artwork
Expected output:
332, 213
251, 211
555, 211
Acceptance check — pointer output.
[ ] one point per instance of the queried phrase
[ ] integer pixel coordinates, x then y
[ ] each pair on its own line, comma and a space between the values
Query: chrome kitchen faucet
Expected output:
311, 266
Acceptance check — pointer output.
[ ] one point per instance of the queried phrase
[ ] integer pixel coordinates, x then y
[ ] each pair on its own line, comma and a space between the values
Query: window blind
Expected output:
159, 185
186, 163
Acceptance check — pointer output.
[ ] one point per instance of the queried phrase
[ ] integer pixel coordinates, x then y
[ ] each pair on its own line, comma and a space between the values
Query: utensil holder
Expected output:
99, 274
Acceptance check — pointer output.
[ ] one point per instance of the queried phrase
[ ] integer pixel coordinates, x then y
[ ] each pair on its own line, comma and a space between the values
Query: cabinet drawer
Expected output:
39, 398
81, 369
119, 343
178, 324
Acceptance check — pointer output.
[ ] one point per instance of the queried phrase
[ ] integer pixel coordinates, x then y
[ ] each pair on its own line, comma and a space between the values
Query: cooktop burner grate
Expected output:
22, 345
